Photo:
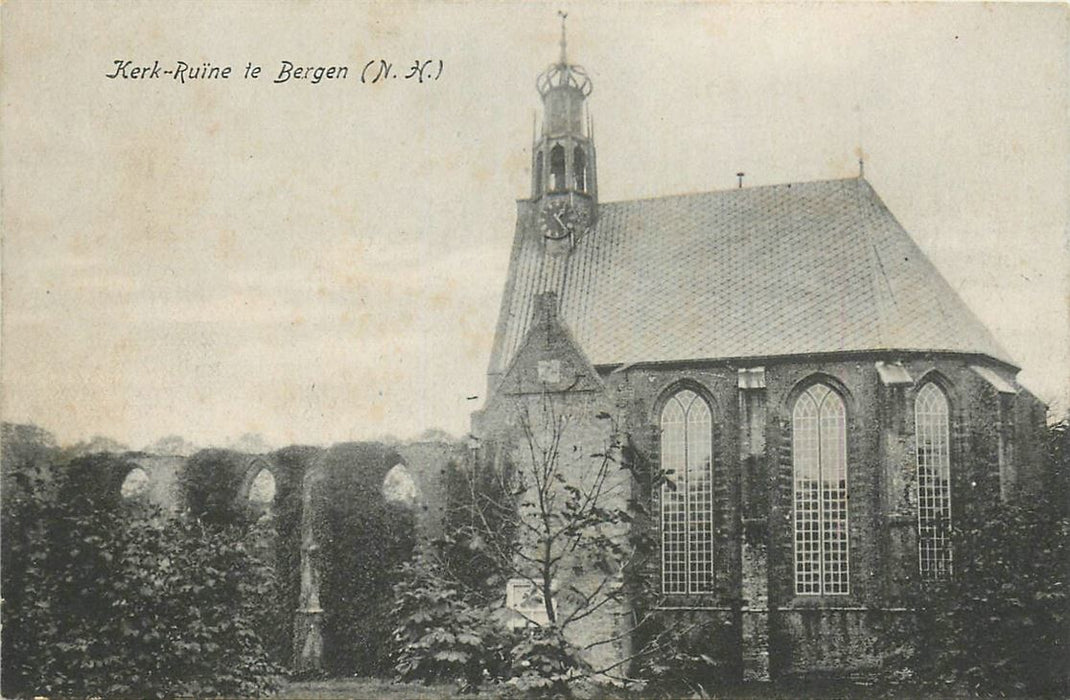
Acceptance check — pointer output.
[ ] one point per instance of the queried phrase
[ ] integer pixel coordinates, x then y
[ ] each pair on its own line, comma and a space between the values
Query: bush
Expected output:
441, 636
122, 601
1001, 625
448, 625
682, 659
364, 542
210, 483
545, 664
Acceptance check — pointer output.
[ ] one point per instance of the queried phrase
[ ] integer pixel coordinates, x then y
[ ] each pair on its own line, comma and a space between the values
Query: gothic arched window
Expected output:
934, 482
400, 487
819, 466
262, 490
579, 167
687, 502
135, 484
538, 174
557, 168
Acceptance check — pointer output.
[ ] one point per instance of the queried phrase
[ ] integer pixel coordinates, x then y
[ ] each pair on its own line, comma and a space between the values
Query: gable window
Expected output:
687, 501
557, 168
934, 482
819, 466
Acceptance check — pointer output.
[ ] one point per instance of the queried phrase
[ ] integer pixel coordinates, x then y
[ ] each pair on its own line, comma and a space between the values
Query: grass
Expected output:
375, 688
366, 689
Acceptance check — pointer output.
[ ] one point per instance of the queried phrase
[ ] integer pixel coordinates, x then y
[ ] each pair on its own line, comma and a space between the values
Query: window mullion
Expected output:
687, 507
820, 506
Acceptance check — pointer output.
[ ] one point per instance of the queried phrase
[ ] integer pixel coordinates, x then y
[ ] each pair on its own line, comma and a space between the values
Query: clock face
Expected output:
559, 220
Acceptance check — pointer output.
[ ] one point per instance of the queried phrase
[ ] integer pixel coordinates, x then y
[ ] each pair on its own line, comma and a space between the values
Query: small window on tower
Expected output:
538, 174
557, 168
579, 164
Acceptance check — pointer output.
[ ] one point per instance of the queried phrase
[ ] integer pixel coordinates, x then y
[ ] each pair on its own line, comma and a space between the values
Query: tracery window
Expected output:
819, 465
557, 168
934, 482
687, 502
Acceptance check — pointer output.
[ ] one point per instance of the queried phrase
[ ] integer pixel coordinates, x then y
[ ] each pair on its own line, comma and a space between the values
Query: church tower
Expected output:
564, 188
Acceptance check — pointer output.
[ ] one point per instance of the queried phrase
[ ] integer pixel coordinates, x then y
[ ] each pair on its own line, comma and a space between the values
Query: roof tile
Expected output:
766, 271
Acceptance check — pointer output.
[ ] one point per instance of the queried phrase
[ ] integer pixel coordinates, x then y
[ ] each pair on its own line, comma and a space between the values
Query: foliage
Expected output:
1001, 624
679, 660
95, 445
172, 445
210, 484
448, 601
121, 601
287, 512
546, 664
677, 655
481, 508
365, 540
546, 505
441, 635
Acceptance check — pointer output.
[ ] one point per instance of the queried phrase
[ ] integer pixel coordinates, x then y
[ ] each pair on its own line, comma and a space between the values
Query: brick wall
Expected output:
773, 631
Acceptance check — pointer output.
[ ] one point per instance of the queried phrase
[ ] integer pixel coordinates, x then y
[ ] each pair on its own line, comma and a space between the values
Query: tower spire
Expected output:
564, 56
564, 188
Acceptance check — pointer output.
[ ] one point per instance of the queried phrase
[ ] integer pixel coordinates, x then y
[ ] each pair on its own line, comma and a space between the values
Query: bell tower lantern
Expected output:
564, 187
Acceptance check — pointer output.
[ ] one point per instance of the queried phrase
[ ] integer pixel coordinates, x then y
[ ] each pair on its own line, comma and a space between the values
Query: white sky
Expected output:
319, 263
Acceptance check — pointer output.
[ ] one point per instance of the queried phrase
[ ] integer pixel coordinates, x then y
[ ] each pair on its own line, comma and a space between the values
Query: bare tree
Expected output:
556, 506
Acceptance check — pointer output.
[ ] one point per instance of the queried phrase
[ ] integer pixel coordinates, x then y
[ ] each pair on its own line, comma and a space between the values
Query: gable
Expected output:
549, 359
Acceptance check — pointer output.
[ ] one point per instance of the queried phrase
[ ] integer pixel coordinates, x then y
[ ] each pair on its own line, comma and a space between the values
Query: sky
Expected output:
324, 262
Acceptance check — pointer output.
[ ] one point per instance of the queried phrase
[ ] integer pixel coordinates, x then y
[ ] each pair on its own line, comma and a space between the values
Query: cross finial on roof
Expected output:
563, 16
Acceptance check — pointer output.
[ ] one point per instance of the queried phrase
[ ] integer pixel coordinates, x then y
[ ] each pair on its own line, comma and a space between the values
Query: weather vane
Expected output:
563, 16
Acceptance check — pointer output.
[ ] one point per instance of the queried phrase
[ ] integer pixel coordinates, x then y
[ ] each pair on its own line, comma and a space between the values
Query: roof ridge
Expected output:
878, 274
731, 190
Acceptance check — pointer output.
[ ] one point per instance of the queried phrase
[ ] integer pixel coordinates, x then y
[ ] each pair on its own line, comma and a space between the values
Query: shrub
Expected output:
122, 601
364, 542
1001, 625
441, 636
210, 483
545, 664
681, 658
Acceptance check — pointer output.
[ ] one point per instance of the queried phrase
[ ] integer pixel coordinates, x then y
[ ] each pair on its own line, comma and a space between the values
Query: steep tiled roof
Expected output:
812, 267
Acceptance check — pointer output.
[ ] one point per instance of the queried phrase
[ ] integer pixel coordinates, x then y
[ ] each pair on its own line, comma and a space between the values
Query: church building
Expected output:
824, 404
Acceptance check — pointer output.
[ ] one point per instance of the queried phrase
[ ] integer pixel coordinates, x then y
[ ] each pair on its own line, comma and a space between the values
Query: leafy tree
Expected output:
210, 483
172, 445
250, 443
435, 435
108, 597
96, 445
1001, 624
